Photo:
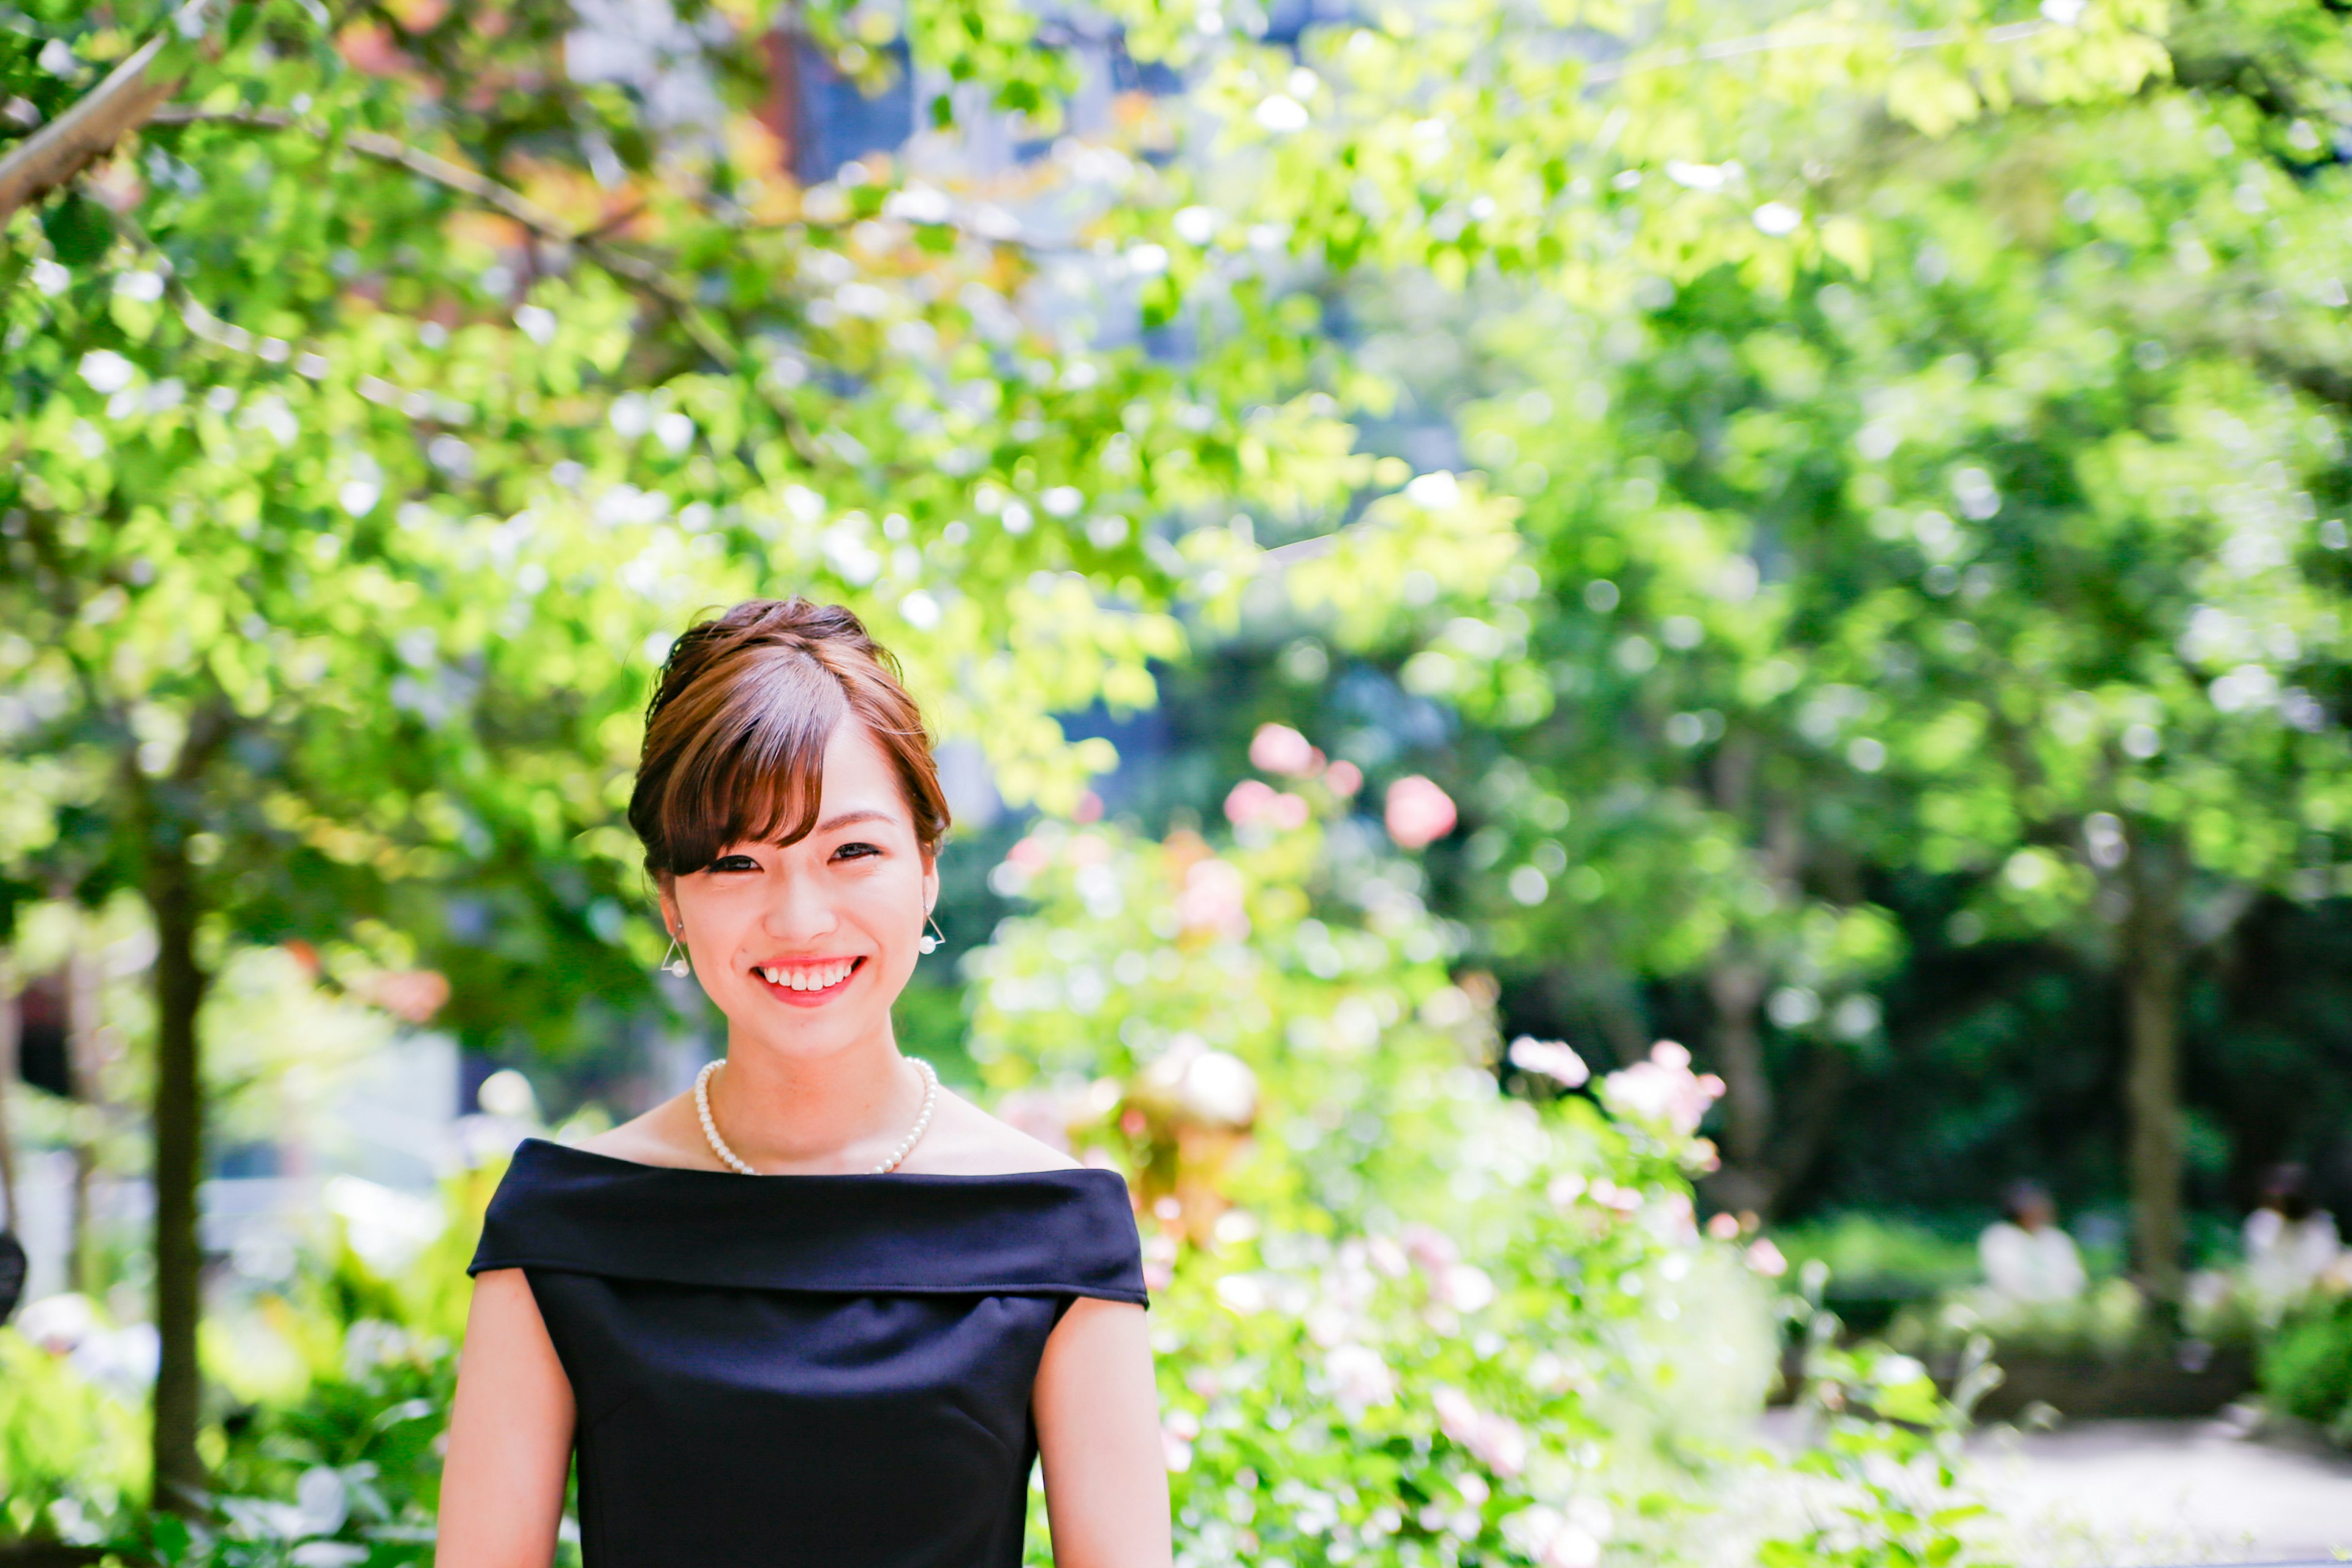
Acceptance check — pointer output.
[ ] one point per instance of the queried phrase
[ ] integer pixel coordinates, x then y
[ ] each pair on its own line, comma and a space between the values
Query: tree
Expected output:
1997, 544
351, 485
1886, 470
386, 392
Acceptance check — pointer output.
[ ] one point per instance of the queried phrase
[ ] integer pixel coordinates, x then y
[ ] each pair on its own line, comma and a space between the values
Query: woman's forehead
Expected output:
858, 772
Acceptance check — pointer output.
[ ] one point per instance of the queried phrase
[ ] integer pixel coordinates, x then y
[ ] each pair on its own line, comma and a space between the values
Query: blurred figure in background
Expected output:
2290, 1242
2027, 1258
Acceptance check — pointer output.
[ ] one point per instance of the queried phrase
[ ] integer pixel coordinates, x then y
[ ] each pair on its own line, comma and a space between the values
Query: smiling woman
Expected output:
854, 1357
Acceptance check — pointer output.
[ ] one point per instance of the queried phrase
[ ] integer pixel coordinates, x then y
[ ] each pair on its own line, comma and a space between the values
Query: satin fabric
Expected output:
824, 1371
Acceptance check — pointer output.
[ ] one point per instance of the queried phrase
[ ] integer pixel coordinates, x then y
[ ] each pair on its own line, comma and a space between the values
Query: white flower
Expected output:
1436, 490
1360, 1378
1196, 226
1552, 1058
1465, 1288
106, 371
1570, 1546
1282, 114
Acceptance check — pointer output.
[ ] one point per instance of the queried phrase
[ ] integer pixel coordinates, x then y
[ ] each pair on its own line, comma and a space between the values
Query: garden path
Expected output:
2120, 1494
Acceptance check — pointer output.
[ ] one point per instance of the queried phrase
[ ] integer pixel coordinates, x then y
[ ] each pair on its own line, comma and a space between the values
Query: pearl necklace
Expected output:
742, 1167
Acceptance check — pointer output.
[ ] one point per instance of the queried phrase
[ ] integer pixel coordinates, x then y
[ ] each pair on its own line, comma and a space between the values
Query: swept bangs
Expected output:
737, 730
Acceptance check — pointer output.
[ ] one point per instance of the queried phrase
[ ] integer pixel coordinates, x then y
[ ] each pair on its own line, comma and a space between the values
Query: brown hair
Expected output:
735, 733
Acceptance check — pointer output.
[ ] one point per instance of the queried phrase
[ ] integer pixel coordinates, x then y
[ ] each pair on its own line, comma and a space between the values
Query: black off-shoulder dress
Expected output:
831, 1372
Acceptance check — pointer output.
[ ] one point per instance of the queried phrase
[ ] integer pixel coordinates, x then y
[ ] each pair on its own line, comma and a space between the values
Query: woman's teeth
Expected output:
808, 977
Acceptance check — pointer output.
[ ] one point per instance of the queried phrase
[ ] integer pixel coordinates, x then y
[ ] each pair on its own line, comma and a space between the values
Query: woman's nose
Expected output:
800, 910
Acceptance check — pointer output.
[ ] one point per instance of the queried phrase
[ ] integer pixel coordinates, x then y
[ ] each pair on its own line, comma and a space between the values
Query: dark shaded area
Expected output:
41, 1055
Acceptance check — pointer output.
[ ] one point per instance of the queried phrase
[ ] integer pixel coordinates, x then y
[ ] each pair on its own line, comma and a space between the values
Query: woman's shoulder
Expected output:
965, 1141
667, 1137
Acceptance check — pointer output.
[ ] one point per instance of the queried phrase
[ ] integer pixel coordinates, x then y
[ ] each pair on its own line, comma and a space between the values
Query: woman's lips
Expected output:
793, 998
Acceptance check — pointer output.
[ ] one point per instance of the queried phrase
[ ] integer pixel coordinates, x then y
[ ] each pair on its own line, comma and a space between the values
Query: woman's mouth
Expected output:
804, 984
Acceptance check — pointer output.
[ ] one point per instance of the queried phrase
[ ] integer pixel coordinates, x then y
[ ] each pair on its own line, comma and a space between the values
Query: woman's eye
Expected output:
855, 851
734, 863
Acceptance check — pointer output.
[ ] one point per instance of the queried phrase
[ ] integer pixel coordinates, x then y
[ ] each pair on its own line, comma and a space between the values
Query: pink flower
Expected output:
1663, 1089
1766, 1258
1279, 749
1419, 813
1552, 1058
1344, 779
1456, 1416
1255, 800
1213, 900
1495, 1441
1248, 801
1176, 1435
1432, 1249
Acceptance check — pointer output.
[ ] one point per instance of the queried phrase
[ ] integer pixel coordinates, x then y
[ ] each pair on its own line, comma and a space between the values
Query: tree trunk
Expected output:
180, 1479
84, 998
1736, 986
781, 109
2153, 949
12, 1022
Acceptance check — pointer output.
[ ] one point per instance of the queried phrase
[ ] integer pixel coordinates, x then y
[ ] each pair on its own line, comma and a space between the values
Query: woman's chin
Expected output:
803, 1032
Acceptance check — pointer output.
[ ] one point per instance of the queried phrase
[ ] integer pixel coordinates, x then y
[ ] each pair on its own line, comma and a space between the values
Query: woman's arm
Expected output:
510, 1435
1098, 1433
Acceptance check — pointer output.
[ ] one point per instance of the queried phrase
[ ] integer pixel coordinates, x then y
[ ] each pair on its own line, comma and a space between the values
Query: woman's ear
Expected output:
665, 891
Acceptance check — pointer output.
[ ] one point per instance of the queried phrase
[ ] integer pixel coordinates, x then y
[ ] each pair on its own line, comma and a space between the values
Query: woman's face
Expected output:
805, 947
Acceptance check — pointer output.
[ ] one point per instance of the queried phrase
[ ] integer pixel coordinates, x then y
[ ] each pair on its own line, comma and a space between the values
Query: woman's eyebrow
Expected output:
863, 814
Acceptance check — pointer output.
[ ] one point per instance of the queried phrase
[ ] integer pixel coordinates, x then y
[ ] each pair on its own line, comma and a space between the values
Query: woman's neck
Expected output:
840, 1112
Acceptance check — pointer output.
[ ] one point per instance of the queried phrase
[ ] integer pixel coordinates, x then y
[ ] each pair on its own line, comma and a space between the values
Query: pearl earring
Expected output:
932, 938
674, 962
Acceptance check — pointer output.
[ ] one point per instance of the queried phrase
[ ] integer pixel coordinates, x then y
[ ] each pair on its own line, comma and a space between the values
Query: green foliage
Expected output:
2109, 1321
1888, 1458
1399, 1317
70, 1451
345, 1467
1901, 448
1872, 1249
2306, 1367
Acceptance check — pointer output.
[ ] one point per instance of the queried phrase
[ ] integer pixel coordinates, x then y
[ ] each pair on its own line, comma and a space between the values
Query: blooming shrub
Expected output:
1400, 1317
71, 1451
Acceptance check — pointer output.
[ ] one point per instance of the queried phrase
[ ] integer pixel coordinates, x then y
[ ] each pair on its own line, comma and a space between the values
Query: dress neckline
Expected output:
1066, 1232
574, 1151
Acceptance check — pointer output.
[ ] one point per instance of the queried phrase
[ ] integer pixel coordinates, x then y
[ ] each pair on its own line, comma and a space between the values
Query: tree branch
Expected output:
70, 143
539, 220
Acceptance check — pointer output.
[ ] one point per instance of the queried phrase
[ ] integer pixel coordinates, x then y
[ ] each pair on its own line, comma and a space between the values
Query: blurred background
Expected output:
1789, 562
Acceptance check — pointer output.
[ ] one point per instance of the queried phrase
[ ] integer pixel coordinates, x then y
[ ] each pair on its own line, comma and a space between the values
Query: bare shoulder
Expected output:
667, 1135
965, 1141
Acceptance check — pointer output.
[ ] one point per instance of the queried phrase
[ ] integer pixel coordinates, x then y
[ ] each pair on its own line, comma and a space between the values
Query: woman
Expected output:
818, 1309
2291, 1242
2028, 1260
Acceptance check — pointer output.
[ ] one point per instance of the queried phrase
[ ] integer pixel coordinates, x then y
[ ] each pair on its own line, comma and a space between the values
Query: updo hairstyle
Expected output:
735, 733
